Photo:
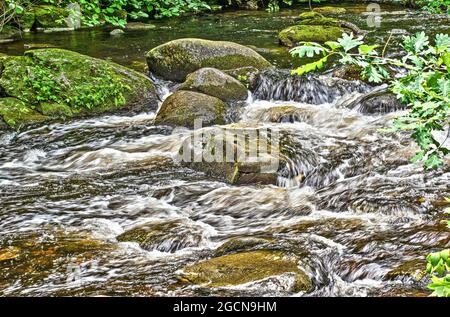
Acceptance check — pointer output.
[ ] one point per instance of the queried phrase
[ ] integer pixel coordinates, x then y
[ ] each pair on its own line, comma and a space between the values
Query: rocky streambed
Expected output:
97, 200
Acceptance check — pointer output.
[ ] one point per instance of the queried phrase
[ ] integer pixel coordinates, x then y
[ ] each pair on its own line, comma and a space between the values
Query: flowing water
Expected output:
362, 215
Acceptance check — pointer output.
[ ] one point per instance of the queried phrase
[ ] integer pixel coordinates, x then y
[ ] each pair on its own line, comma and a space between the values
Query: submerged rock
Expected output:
240, 268
379, 101
176, 59
240, 244
139, 26
283, 114
182, 108
215, 83
78, 84
164, 236
116, 32
330, 10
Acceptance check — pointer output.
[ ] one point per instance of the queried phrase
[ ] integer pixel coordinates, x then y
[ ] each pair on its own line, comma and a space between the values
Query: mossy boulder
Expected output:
182, 108
26, 20
310, 15
325, 10
164, 236
254, 158
240, 268
16, 113
176, 59
74, 84
215, 83
309, 33
48, 17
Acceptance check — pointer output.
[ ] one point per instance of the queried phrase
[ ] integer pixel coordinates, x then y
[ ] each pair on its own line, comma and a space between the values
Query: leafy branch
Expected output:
424, 85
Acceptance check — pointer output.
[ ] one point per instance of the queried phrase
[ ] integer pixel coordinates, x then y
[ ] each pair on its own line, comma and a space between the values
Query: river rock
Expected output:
215, 83
50, 17
379, 102
183, 107
164, 235
84, 84
241, 244
244, 4
176, 59
218, 155
309, 33
240, 268
116, 32
330, 10
283, 114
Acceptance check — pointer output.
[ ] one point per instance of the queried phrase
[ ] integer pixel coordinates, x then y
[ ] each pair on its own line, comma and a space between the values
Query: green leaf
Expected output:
367, 49
307, 68
348, 42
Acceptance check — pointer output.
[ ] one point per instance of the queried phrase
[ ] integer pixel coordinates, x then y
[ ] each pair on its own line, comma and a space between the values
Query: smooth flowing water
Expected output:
361, 213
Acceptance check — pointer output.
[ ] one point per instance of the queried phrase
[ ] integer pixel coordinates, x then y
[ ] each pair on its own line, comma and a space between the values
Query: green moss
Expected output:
53, 109
330, 10
414, 269
310, 15
309, 33
321, 21
26, 20
241, 268
176, 59
48, 16
17, 114
183, 107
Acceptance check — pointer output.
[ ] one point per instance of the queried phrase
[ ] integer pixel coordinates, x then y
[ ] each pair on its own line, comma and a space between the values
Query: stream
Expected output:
365, 216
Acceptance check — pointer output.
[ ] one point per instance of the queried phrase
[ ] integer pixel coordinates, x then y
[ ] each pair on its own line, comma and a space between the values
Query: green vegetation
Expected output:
435, 6
438, 267
424, 86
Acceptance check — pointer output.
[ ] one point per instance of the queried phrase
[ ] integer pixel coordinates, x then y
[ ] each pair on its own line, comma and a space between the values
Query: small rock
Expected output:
116, 32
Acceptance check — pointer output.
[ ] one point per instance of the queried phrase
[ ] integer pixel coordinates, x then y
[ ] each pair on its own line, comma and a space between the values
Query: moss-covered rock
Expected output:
164, 236
252, 159
241, 244
59, 83
48, 17
348, 72
309, 15
245, 75
215, 83
327, 9
26, 20
240, 268
176, 59
413, 269
182, 108
309, 33
17, 114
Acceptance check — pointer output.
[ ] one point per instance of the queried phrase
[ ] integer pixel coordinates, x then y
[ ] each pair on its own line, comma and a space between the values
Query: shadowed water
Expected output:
349, 201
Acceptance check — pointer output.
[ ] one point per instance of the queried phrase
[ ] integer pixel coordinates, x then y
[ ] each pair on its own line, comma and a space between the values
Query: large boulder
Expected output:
176, 59
309, 33
215, 83
236, 154
182, 108
61, 83
240, 268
